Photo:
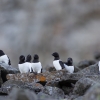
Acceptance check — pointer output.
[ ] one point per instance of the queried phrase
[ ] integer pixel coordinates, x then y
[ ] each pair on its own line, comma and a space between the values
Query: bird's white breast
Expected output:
99, 65
57, 65
4, 59
23, 68
70, 69
28, 65
36, 67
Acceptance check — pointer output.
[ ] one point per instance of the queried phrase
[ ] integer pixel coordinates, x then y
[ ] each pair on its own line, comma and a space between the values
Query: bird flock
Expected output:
25, 65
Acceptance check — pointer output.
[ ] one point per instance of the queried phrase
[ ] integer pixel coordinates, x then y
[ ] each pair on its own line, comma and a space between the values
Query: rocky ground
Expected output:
83, 84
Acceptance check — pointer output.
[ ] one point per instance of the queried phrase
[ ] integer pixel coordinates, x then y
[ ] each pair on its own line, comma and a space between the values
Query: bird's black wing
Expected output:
9, 61
31, 70
62, 64
41, 70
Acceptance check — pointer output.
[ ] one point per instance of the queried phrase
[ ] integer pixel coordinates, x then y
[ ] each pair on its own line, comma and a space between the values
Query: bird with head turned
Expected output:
57, 63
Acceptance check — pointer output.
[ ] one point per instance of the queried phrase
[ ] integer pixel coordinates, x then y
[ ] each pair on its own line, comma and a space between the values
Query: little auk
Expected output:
36, 65
4, 58
57, 63
69, 65
28, 64
21, 65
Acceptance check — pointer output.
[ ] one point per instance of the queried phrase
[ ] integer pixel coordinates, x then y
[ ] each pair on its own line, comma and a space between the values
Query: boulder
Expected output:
82, 86
76, 69
43, 96
8, 85
2, 98
91, 70
50, 69
93, 93
85, 63
54, 92
6, 69
21, 94
79, 98
27, 77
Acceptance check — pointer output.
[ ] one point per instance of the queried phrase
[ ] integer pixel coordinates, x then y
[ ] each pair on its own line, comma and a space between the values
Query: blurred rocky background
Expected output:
70, 27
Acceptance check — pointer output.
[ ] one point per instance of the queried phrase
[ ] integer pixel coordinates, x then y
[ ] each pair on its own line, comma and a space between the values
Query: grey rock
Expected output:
27, 77
42, 96
3, 98
76, 69
5, 91
6, 69
13, 82
93, 93
82, 86
50, 69
91, 70
55, 92
67, 90
85, 63
8, 85
79, 98
22, 94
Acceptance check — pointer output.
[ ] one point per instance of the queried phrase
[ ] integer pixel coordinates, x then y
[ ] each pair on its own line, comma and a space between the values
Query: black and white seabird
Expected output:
99, 66
21, 65
4, 58
69, 65
36, 65
28, 63
57, 63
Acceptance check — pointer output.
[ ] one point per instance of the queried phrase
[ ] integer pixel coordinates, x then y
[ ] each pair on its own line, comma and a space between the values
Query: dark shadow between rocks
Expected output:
3, 75
42, 82
3, 94
67, 86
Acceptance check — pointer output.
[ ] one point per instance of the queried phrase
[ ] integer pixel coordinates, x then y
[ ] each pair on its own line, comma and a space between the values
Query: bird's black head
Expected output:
56, 56
21, 59
70, 61
36, 58
28, 58
1, 53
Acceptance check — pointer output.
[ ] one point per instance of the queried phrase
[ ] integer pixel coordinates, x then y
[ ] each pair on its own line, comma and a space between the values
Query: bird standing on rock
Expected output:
36, 65
4, 58
57, 63
21, 65
69, 65
28, 64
